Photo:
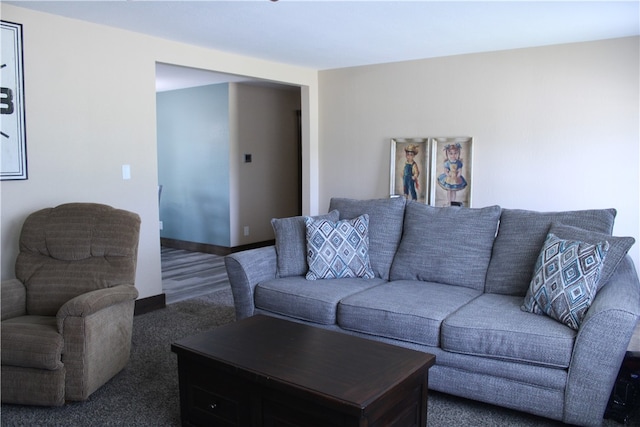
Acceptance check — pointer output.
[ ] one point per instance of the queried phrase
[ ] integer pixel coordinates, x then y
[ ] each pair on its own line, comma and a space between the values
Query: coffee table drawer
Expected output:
211, 397
211, 408
287, 410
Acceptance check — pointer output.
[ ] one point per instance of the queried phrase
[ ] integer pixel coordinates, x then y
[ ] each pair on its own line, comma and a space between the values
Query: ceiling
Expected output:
327, 34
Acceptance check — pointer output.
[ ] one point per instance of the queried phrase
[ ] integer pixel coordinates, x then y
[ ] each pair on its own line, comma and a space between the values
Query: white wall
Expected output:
90, 108
264, 124
554, 128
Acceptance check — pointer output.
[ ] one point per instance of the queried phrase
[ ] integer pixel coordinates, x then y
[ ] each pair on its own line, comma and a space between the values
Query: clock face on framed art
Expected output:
13, 140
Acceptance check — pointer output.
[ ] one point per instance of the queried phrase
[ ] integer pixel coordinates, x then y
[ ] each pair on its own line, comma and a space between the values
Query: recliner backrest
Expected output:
73, 249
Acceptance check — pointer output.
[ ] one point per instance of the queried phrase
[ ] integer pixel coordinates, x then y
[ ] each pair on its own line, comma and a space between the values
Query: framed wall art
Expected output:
409, 169
13, 138
451, 171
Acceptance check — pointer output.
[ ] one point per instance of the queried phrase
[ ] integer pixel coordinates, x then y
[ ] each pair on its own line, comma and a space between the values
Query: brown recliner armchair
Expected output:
68, 317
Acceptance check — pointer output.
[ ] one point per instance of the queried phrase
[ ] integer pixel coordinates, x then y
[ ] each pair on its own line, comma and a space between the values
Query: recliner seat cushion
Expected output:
493, 325
310, 300
407, 310
32, 342
28, 386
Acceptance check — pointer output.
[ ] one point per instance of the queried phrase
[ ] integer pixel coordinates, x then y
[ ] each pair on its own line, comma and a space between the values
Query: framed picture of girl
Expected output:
409, 171
451, 171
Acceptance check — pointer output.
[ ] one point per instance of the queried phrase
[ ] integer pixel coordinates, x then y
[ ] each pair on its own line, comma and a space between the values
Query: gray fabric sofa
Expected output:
451, 282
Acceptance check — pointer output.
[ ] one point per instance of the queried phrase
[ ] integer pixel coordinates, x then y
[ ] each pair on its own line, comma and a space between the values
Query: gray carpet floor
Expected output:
145, 393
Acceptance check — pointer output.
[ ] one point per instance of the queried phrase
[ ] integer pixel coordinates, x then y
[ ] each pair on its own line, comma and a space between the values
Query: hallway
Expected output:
188, 274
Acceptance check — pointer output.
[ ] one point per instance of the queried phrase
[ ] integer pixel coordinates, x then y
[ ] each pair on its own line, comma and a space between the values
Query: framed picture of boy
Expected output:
451, 171
409, 171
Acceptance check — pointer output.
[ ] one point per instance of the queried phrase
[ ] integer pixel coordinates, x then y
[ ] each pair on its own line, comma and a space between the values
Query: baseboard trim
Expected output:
253, 246
146, 305
210, 249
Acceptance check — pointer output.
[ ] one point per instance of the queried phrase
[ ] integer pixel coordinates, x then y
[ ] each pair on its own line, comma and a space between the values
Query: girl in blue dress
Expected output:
452, 180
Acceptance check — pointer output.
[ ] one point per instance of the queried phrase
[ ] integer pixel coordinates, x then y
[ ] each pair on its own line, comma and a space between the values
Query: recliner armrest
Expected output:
91, 302
14, 299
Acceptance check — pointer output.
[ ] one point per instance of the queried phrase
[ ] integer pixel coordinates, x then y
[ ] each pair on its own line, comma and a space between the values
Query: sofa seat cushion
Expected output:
32, 342
407, 310
493, 325
310, 300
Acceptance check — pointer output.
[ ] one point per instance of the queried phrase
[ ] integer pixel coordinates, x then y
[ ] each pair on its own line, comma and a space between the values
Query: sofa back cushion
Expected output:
449, 245
385, 227
291, 243
520, 237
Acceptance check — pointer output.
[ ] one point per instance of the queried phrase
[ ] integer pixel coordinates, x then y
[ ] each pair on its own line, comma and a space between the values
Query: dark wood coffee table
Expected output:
264, 371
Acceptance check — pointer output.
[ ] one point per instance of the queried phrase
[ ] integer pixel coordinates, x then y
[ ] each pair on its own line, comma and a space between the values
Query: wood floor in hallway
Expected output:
188, 274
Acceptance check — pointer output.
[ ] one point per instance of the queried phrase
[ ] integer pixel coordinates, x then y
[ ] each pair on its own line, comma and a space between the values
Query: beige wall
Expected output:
554, 128
90, 108
263, 124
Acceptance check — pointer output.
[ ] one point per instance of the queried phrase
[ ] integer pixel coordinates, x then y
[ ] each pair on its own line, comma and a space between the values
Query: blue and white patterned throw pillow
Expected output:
565, 279
338, 249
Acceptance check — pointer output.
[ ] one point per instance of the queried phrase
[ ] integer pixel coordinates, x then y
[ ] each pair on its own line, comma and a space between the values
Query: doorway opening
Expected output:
229, 160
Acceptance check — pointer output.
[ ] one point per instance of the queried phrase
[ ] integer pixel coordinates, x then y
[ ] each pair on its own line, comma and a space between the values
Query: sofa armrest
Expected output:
245, 270
94, 301
600, 346
14, 299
